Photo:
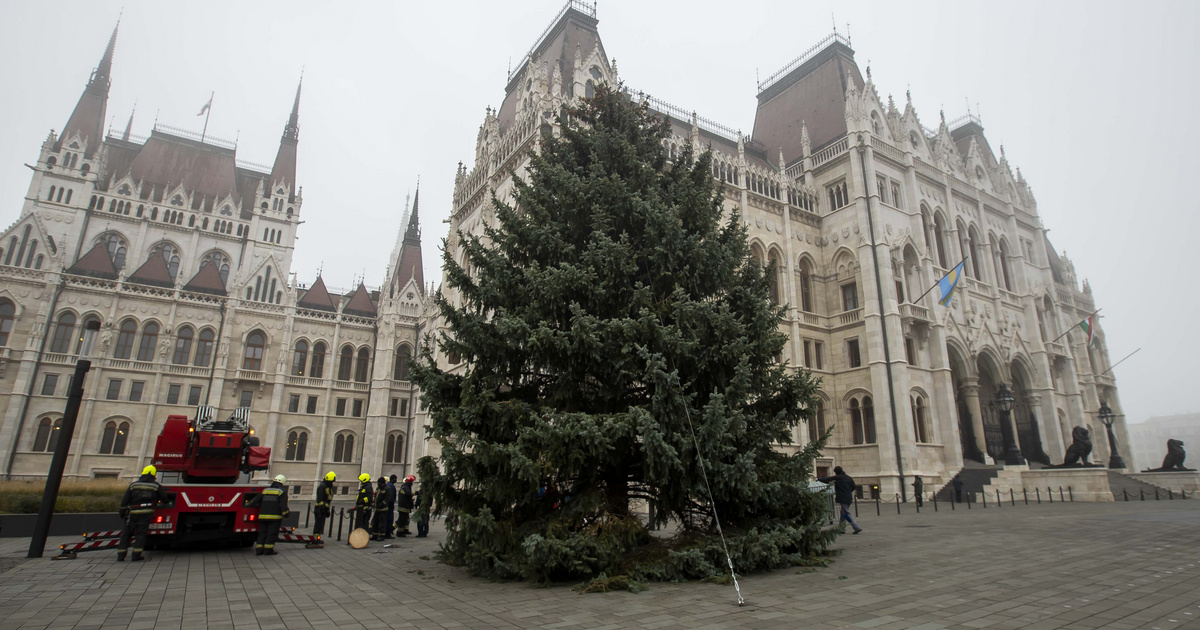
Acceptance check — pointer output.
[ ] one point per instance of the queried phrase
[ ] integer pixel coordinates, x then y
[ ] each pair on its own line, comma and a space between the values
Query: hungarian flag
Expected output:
1089, 327
204, 109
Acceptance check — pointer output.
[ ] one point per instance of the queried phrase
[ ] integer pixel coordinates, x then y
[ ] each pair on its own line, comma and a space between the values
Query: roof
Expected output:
1056, 263
167, 160
360, 303
572, 29
317, 297
813, 93
962, 141
95, 263
411, 266
207, 280
153, 272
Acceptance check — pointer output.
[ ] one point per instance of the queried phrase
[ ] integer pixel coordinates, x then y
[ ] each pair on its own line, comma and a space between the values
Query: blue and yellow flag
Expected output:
949, 282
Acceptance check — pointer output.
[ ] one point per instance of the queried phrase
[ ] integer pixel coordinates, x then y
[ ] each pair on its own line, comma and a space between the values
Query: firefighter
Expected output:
404, 505
362, 505
391, 507
379, 521
137, 506
272, 509
324, 508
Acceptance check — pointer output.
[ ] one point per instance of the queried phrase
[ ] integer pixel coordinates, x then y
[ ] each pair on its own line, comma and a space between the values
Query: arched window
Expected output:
47, 435
816, 424
963, 248
343, 448
876, 126
128, 331
920, 430
806, 302
114, 438
393, 450
220, 260
204, 347
939, 240
8, 312
862, 418
403, 358
87, 168
50, 197
64, 330
79, 338
362, 364
297, 446
973, 252
116, 249
149, 340
252, 359
68, 199
170, 254
345, 363
300, 358
773, 276
1008, 284
318, 360
183, 346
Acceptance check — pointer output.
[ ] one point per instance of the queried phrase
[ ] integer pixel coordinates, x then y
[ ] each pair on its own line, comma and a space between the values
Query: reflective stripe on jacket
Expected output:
142, 495
272, 503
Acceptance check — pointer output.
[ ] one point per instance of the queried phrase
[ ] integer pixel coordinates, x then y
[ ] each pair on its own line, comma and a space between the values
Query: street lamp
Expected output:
1004, 402
41, 529
1108, 418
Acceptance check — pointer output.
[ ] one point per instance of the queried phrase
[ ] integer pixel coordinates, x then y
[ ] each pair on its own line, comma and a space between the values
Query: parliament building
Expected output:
182, 252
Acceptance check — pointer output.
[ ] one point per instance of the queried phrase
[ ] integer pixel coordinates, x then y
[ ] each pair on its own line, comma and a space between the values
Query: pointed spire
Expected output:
411, 265
129, 125
292, 130
103, 70
87, 120
412, 236
805, 142
284, 170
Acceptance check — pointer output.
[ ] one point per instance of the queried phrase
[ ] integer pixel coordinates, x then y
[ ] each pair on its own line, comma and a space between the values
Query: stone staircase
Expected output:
974, 477
1121, 483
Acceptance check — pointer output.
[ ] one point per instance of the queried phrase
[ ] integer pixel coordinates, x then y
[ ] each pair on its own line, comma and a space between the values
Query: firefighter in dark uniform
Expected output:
137, 505
272, 508
404, 505
362, 505
379, 521
324, 507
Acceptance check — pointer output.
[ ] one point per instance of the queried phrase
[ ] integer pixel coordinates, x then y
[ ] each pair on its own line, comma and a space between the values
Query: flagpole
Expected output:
1072, 326
1118, 363
207, 113
939, 280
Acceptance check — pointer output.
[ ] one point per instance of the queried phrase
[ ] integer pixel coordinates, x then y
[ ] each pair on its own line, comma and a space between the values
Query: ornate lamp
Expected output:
1005, 402
1108, 418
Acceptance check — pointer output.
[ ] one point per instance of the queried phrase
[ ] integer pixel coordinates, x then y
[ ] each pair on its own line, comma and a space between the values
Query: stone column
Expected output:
970, 389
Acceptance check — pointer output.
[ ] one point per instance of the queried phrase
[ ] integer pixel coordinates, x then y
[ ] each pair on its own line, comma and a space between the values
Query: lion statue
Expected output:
1174, 458
1080, 448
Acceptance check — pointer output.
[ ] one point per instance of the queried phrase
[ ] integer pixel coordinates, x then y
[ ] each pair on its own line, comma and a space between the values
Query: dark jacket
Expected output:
366, 496
404, 497
843, 487
142, 495
391, 496
325, 494
381, 502
272, 503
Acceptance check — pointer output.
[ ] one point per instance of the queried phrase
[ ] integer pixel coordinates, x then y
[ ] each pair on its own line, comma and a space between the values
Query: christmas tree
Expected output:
620, 347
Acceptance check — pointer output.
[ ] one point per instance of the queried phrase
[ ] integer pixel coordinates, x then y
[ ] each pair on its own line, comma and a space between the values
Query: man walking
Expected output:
324, 507
272, 508
843, 488
958, 486
138, 506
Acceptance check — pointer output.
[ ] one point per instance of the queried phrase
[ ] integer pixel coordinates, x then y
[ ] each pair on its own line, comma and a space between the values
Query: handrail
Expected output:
680, 113
578, 5
804, 56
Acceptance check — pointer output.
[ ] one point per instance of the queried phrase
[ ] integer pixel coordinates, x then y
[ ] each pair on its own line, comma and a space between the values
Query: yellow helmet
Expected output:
330, 476
150, 470
365, 478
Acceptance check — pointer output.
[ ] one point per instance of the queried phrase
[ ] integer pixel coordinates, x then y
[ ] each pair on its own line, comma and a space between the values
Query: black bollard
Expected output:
307, 514
1025, 493
1050, 494
935, 502
969, 498
1142, 493
1071, 494
999, 503
876, 506
1012, 498
1170, 495
897, 503
342, 517
855, 506
984, 493
1060, 494
1125, 493
1039, 495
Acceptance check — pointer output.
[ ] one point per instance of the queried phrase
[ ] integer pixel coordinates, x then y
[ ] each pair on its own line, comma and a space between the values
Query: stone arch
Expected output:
1025, 409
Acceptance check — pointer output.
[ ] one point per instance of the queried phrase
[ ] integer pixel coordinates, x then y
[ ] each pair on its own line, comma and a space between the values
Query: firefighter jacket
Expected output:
272, 503
381, 502
366, 496
325, 494
404, 498
142, 495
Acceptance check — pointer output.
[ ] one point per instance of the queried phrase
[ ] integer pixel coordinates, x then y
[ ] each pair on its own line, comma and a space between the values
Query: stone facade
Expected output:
183, 253
861, 209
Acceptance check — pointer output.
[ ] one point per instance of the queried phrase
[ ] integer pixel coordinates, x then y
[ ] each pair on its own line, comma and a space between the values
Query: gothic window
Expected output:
8, 312
79, 338
773, 276
1008, 284
50, 197
839, 195
170, 254
47, 435
114, 438
913, 140
177, 200
393, 450
343, 447
939, 229
806, 301
881, 186
972, 242
816, 424
876, 126
87, 168
219, 259
51, 161
849, 296
68, 199
64, 329
345, 363
204, 347
252, 359
297, 446
300, 358
183, 346
362, 364
124, 347
862, 419
589, 89
149, 340
963, 247
318, 360
896, 197
403, 358
920, 428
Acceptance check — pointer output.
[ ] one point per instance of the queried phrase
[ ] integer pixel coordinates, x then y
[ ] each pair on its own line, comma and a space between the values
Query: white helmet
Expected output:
280, 479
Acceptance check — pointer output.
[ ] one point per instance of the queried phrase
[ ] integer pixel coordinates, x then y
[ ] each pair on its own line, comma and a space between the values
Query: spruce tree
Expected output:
611, 321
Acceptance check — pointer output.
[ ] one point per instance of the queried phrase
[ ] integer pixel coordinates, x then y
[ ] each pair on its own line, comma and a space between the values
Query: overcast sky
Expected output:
1089, 99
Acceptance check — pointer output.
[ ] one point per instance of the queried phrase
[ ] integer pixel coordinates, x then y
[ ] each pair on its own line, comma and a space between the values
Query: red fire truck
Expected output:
206, 465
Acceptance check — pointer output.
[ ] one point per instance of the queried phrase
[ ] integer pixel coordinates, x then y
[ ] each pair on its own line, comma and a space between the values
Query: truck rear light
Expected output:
251, 517
158, 520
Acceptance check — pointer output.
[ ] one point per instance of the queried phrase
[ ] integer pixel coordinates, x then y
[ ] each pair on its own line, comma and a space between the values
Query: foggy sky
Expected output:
1091, 100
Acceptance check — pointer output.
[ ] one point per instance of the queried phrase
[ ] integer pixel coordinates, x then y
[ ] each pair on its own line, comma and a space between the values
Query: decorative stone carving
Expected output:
1079, 451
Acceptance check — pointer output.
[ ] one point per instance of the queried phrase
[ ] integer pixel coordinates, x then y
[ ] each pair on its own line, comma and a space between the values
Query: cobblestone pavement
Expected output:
1072, 565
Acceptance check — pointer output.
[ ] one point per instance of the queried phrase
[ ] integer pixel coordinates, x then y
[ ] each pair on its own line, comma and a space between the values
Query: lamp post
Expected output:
1004, 402
1108, 418
62, 446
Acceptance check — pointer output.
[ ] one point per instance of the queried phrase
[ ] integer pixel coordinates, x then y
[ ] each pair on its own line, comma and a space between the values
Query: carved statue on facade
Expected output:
1079, 450
1174, 459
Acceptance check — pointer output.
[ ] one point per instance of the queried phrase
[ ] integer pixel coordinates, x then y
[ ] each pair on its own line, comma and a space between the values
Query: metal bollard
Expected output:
1039, 495
1125, 493
1025, 493
1050, 493
952, 502
1170, 495
969, 497
935, 502
1156, 494
897, 503
877, 506
1142, 493
1012, 498
341, 518
307, 514
329, 517
1071, 494
999, 503
855, 506
1060, 494
984, 499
